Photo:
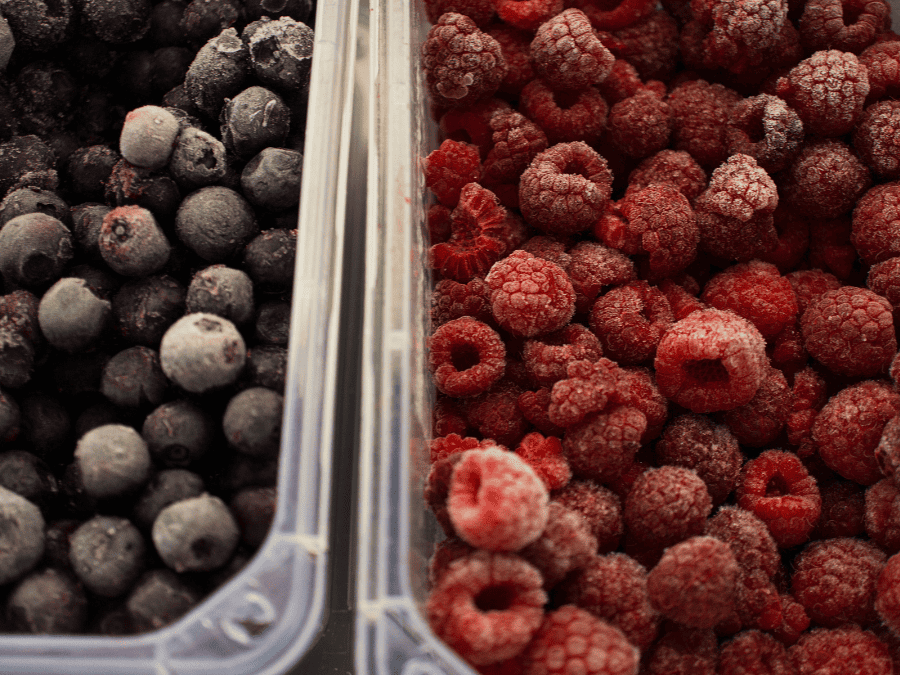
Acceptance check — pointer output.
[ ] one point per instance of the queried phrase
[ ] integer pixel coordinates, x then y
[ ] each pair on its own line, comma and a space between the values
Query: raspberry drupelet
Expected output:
602, 446
566, 544
630, 320
527, 14
700, 113
487, 606
640, 125
749, 537
887, 594
765, 128
825, 180
875, 141
445, 446
515, 45
711, 361
882, 62
636, 388
472, 123
623, 81
567, 54
586, 388
810, 284
846, 649
567, 116
824, 24
466, 357
593, 266
449, 168
599, 506
549, 248
759, 422
545, 456
882, 515
753, 652
740, 34
445, 552
548, 356
676, 168
876, 223
533, 406
439, 223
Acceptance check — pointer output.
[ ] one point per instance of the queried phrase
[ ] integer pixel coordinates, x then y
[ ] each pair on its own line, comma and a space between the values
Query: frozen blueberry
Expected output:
16, 356
28, 476
159, 598
254, 119
56, 542
273, 323
10, 417
197, 534
148, 136
101, 282
252, 422
223, 291
129, 184
47, 602
132, 243
21, 535
267, 367
112, 620
254, 510
204, 19
23, 154
281, 50
133, 378
88, 169
144, 308
112, 460
178, 433
7, 43
46, 424
269, 259
33, 200
215, 222
201, 352
19, 310
168, 68
117, 21
71, 317
272, 179
107, 554
47, 92
198, 159
34, 250
38, 25
165, 23
166, 487
244, 471
87, 219
219, 70
177, 99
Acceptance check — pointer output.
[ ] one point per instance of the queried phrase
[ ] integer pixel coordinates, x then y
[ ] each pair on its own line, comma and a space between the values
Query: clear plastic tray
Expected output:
269, 614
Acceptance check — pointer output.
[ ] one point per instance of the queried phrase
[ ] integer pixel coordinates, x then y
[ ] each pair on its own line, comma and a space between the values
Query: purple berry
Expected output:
107, 555
148, 136
113, 460
132, 243
202, 351
197, 534
71, 317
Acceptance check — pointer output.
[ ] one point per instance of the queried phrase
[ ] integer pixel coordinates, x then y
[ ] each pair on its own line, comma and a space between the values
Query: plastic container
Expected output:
268, 615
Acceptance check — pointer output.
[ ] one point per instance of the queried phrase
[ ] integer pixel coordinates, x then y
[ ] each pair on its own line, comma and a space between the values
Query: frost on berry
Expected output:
452, 300
636, 388
848, 25
549, 248
566, 116
640, 125
887, 452
810, 284
449, 168
593, 266
623, 81
487, 606
545, 456
794, 620
547, 357
825, 180
527, 14
630, 320
600, 507
602, 446
515, 45
887, 594
759, 422
681, 650
496, 414
884, 279
447, 417
840, 650
533, 406
445, 552
882, 515
680, 300
740, 34
445, 446
566, 544
700, 114
876, 223
765, 128
875, 139
882, 62
516, 141
676, 168
753, 651
437, 486
585, 389
472, 123
567, 54
650, 45
480, 11
466, 357
749, 538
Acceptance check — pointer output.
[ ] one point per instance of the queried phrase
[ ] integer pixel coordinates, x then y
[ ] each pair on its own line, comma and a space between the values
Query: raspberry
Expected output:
887, 452
757, 603
533, 405
681, 302
565, 116
516, 47
793, 239
753, 652
786, 352
447, 418
884, 279
650, 45
875, 223
825, 180
630, 320
527, 14
452, 300
495, 413
449, 168
547, 357
437, 487
565, 189
734, 214
614, 588
439, 224
749, 538
840, 650
683, 651
887, 594
711, 360
827, 90
445, 552
882, 515
640, 125
759, 422
566, 544
571, 640
657, 224
472, 124
741, 33
487, 606
530, 296
462, 65
466, 357
480, 11
830, 247
778, 489
823, 24
850, 331
586, 389
445, 446
593, 266
700, 114
794, 620
600, 507
882, 62
670, 167
544, 455
810, 284
549, 248
603, 445
765, 128
874, 139
623, 81
835, 580
516, 142
566, 53
843, 510
696, 442
636, 388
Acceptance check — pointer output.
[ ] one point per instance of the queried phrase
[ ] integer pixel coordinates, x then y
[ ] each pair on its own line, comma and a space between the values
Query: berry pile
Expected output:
150, 170
667, 284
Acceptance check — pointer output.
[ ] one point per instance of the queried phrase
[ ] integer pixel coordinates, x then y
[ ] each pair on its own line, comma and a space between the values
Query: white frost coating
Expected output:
202, 351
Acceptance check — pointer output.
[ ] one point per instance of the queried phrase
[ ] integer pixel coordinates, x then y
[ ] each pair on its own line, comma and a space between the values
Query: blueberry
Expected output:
272, 179
198, 159
197, 534
169, 66
215, 222
133, 378
113, 620
148, 136
254, 510
159, 598
165, 23
219, 70
107, 554
7, 43
28, 476
129, 184
101, 282
144, 308
252, 422
223, 291
57, 542
116, 21
88, 169
280, 51
46, 424
47, 602
178, 433
166, 487
71, 317
34, 250
96, 415
21, 535
269, 259
132, 243
113, 460
47, 93
19, 310
244, 471
273, 323
21, 155
201, 352
33, 200
10, 417
267, 367
253, 119
39, 25
204, 19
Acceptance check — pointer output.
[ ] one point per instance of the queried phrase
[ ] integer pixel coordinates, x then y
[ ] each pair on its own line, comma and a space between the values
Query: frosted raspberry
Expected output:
749, 538
496, 500
614, 588
825, 180
603, 445
843, 510
445, 552
830, 248
810, 284
636, 388
449, 168
566, 53
882, 62
650, 45
565, 189
452, 300
447, 418
614, 16
565, 116
676, 168
630, 320
534, 405
794, 620
882, 515
585, 389
516, 142
683, 651
765, 128
571, 640
566, 544
549, 248
527, 14
753, 652
827, 90
840, 650
437, 487
874, 139
875, 223
466, 357
439, 223
759, 422
600, 507
786, 351
884, 279
700, 113
545, 456
741, 33
680, 300
462, 64
480, 11
516, 47
472, 123
711, 360
793, 239
593, 266
850, 331
824, 24
887, 452
887, 599
757, 604
445, 446
487, 606
547, 357
734, 214
835, 580
640, 125
495, 413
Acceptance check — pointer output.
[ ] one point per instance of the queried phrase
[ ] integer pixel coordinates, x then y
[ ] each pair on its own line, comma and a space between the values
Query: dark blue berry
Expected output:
21, 535
148, 136
165, 23
50, 601
273, 323
252, 422
128, 184
56, 542
88, 169
254, 119
254, 510
46, 424
281, 50
133, 378
197, 534
198, 159
201, 352
33, 200
144, 309
132, 243
28, 476
16, 356
272, 179
204, 19
223, 291
166, 487
178, 433
159, 598
267, 367
269, 259
10, 417
107, 554
117, 21
218, 71
71, 317
21, 155
215, 222
34, 250
38, 25
113, 460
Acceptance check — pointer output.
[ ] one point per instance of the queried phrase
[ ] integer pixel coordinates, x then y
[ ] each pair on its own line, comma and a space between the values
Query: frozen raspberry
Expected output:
754, 652
603, 445
875, 141
834, 580
527, 14
670, 167
794, 620
630, 320
566, 53
657, 224
636, 388
847, 649
778, 489
759, 422
445, 552
683, 651
545, 456
462, 65
749, 538
547, 357
585, 389
700, 113
757, 604
884, 279
472, 123
887, 599
696, 442
827, 90
614, 588
640, 125
882, 62
765, 128
449, 168
480, 11
447, 418
549, 248
680, 300
734, 214
571, 640
466, 357
437, 487
824, 24
830, 247
534, 405
516, 47
487, 606
593, 266
810, 284
439, 224
530, 296
565, 189
567, 116
786, 351
887, 452
741, 33
600, 507
445, 446
623, 81
650, 45
793, 239
850, 331
614, 16
495, 413
843, 510
566, 544
452, 300
515, 143
875, 223
882, 515
825, 180
710, 361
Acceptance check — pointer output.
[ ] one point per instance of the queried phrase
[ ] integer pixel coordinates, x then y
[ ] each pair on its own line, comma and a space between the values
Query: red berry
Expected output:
585, 390
670, 167
566, 544
794, 620
700, 114
683, 651
516, 46
593, 266
825, 180
437, 486
527, 14
599, 506
566, 53
759, 422
534, 407
875, 223
626, 13
549, 248
650, 45
875, 141
793, 239
848, 25
749, 538
567, 116
840, 650
449, 168
630, 320
753, 652
887, 452
495, 413
640, 125
472, 123
445, 552
809, 285
452, 300
884, 279
767, 129
466, 356
830, 247
636, 388
548, 356
887, 598
843, 510
445, 446
545, 456
480, 11
603, 445
680, 300
882, 515
516, 141
882, 62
